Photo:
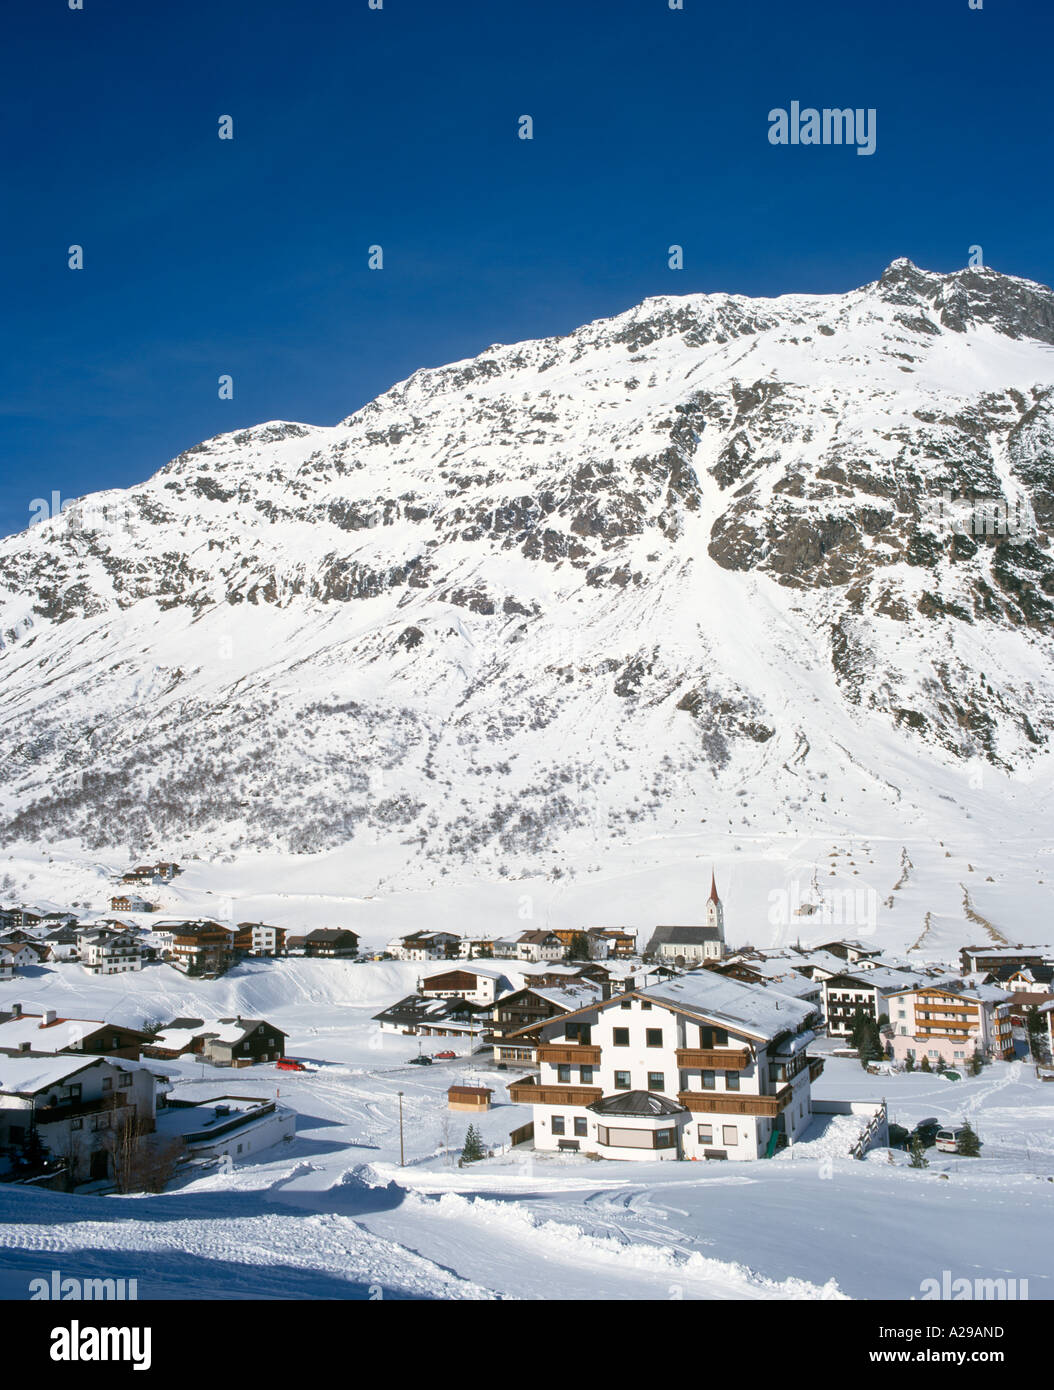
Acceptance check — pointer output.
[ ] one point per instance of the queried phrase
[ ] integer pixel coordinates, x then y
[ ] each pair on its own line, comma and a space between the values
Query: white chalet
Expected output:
104, 952
700, 1066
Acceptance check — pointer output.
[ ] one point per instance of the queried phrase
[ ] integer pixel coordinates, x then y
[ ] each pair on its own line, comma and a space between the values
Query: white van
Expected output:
948, 1140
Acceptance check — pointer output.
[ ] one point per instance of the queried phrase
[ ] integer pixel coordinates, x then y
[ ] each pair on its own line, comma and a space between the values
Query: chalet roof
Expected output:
569, 997
180, 1034
989, 994
332, 934
884, 980
60, 1033
473, 1091
762, 1013
417, 1008
758, 1012
27, 1076
635, 1103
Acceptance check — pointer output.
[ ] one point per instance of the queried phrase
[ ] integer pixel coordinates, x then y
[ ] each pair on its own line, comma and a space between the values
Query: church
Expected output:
688, 946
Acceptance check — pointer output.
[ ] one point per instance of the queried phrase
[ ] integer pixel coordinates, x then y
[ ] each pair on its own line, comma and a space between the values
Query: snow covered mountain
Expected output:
705, 561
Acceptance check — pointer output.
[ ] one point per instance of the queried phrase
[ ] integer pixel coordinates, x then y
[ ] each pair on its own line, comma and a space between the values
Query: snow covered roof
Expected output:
569, 997
760, 1012
790, 982
227, 1030
682, 936
60, 1033
29, 1075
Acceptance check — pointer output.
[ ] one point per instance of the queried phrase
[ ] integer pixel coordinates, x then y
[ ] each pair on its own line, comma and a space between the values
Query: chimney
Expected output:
49, 1017
605, 989
16, 1010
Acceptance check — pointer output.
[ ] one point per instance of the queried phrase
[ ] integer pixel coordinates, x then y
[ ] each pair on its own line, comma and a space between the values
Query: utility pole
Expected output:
402, 1159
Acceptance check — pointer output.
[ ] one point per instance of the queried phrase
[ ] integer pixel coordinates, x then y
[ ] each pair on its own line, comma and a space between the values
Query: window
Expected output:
125, 1079
664, 1138
107, 1083
729, 1135
620, 1037
558, 1124
656, 1081
645, 1004
563, 1073
709, 1081
587, 1076
581, 1128
626, 1004
731, 1081
706, 1134
653, 1037
115, 1042
622, 1081
76, 1123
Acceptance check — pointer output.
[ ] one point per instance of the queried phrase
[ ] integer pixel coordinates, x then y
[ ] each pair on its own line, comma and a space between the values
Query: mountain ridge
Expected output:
568, 588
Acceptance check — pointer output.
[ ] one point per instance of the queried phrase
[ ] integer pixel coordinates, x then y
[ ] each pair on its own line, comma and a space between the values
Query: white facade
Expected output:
107, 953
20, 957
74, 1105
712, 1076
424, 946
440, 985
265, 940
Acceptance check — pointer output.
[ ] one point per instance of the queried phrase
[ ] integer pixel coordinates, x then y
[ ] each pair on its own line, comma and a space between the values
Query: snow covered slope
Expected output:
681, 566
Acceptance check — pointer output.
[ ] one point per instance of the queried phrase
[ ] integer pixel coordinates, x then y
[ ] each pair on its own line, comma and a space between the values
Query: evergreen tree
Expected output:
969, 1144
1035, 1028
579, 947
472, 1149
909, 1062
918, 1153
976, 1063
865, 1037
924, 1065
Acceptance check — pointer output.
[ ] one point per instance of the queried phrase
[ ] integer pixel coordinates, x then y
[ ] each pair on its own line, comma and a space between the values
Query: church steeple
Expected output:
715, 912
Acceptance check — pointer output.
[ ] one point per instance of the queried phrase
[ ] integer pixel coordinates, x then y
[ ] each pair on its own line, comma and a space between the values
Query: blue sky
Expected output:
355, 127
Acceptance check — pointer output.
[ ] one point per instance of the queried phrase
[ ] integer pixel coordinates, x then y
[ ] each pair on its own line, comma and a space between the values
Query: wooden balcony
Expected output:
569, 1054
726, 1103
712, 1059
815, 1068
529, 1092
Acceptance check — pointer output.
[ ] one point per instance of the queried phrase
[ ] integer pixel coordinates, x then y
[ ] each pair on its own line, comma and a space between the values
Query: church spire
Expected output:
713, 888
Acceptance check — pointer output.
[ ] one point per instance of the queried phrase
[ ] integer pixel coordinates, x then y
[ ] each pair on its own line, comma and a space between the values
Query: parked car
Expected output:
927, 1131
290, 1064
899, 1137
420, 1061
445, 1056
948, 1139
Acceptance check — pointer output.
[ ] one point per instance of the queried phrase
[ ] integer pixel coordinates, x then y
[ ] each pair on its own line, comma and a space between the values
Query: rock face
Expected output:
569, 587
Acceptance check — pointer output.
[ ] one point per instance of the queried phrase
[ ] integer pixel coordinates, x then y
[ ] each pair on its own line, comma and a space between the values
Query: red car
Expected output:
445, 1056
290, 1064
